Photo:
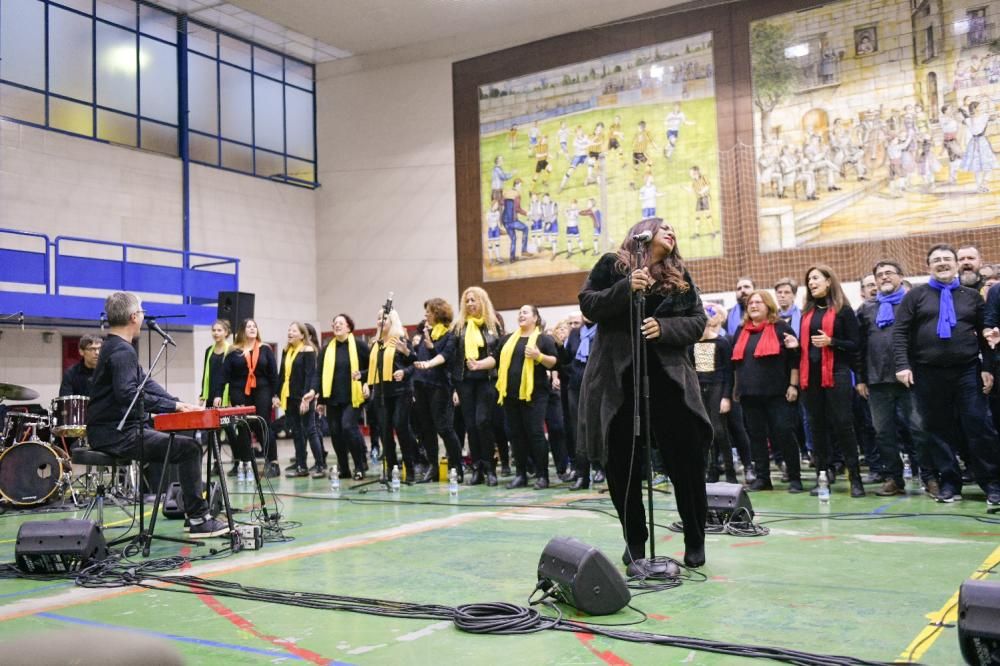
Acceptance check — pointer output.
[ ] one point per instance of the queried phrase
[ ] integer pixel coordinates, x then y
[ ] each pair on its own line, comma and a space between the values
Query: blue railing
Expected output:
73, 263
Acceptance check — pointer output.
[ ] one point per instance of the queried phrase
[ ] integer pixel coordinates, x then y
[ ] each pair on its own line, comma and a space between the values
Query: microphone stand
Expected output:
640, 408
386, 427
144, 538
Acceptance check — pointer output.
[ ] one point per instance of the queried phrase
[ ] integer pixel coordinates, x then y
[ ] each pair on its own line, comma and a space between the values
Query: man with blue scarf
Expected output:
887, 398
941, 354
574, 358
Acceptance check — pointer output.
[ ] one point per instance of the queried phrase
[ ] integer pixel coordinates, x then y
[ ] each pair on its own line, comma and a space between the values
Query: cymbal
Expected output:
15, 392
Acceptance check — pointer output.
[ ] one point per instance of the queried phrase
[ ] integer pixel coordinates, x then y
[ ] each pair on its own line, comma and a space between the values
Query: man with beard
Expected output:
869, 289
737, 428
887, 398
937, 344
969, 263
744, 287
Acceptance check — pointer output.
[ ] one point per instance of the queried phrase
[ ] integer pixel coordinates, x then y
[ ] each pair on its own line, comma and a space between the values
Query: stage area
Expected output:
865, 579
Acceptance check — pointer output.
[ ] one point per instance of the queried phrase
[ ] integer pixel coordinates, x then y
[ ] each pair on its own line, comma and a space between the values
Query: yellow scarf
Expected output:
527, 370
388, 352
330, 363
473, 337
204, 379
290, 355
438, 331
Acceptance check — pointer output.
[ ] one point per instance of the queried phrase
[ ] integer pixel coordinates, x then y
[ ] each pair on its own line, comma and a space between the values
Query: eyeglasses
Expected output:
886, 273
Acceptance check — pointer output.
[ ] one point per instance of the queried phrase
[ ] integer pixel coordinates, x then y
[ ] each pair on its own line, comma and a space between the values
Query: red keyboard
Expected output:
205, 419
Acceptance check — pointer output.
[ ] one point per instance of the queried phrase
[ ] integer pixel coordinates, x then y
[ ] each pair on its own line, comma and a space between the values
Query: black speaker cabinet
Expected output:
58, 546
979, 621
581, 576
235, 307
725, 500
173, 500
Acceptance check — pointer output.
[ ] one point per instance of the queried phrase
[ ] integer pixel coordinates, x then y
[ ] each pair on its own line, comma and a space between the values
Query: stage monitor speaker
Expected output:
173, 501
235, 307
725, 500
979, 621
581, 576
58, 546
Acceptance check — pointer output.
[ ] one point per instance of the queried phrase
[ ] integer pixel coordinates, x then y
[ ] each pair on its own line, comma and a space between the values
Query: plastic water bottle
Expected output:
241, 473
453, 482
824, 488
335, 480
394, 484
907, 474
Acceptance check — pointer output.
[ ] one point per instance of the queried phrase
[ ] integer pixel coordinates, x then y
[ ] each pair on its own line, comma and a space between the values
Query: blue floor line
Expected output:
885, 507
25, 593
181, 639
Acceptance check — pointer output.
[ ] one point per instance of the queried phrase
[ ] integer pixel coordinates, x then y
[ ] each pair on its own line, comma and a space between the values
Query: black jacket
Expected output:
877, 365
459, 371
914, 335
76, 381
235, 373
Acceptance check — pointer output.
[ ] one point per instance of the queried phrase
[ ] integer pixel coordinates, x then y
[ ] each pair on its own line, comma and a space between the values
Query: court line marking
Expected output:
106, 525
947, 614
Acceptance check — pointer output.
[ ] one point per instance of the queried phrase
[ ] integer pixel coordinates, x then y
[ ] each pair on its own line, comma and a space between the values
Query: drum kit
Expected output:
35, 465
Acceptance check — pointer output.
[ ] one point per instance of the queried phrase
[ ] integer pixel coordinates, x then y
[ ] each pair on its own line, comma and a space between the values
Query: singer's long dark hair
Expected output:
669, 273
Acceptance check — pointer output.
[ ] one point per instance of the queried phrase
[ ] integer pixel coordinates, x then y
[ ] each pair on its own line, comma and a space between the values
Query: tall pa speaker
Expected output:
979, 621
58, 546
581, 576
726, 502
235, 307
173, 501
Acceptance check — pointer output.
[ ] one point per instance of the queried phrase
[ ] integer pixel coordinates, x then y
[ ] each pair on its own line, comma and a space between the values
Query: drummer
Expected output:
76, 380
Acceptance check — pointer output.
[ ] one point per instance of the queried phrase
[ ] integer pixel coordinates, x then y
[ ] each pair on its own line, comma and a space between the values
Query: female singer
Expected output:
390, 367
829, 341
251, 372
522, 360
297, 377
478, 334
432, 387
341, 394
673, 320
211, 377
713, 364
765, 361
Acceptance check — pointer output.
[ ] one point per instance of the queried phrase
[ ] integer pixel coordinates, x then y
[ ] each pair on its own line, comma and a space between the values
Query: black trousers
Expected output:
831, 419
677, 435
476, 400
184, 452
345, 435
500, 435
772, 417
394, 421
711, 396
303, 428
435, 402
526, 425
261, 401
581, 464
738, 432
556, 428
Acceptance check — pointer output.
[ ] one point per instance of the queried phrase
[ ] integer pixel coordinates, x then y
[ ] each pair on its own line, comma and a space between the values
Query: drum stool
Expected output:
103, 462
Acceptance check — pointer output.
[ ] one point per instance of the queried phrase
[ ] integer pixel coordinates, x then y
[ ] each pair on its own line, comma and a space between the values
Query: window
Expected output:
108, 70
979, 31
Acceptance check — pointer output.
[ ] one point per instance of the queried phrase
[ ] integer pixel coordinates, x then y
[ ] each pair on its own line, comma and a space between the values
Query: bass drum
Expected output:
31, 473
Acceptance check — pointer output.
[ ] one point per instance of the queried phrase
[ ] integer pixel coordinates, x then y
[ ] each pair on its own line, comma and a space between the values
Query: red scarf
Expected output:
826, 353
251, 355
766, 346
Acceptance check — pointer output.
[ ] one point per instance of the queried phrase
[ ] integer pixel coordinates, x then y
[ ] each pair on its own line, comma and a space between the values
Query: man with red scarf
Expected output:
942, 356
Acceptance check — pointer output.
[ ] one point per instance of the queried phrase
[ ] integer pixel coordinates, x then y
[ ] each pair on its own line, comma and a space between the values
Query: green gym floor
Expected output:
867, 578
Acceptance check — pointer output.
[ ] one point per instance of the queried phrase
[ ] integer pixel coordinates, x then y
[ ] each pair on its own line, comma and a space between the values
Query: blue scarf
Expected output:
795, 315
946, 311
734, 320
886, 313
586, 335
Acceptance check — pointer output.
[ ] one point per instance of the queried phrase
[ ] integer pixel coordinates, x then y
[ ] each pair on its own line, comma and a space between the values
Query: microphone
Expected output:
151, 323
643, 237
388, 304
103, 321
20, 319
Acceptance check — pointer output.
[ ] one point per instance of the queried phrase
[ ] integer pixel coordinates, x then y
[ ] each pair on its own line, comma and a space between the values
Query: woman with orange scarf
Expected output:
829, 337
251, 372
765, 363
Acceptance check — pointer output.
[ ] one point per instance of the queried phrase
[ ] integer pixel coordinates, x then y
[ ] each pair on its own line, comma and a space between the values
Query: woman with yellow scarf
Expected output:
338, 384
389, 371
297, 376
432, 387
215, 392
523, 358
474, 373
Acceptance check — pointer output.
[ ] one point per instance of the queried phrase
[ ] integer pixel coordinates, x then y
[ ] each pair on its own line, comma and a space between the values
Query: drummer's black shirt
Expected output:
76, 381
116, 378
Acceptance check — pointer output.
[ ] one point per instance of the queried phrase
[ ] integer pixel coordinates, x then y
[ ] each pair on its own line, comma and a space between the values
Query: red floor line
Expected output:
818, 538
747, 544
246, 625
608, 657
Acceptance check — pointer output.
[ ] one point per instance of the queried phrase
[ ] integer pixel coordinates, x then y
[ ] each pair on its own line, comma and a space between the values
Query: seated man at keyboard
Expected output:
116, 378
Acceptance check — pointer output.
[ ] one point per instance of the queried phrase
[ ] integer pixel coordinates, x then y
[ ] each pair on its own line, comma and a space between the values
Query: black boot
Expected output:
581, 483
477, 475
491, 476
694, 557
430, 476
857, 486
519, 481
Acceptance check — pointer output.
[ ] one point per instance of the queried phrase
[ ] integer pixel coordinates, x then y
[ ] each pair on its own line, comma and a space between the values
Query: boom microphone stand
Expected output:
378, 348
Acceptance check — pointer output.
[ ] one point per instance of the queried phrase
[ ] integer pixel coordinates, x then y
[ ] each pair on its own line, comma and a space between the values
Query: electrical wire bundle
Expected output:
739, 524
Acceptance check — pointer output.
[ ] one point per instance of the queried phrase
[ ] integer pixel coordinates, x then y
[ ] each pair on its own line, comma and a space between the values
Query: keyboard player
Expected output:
115, 381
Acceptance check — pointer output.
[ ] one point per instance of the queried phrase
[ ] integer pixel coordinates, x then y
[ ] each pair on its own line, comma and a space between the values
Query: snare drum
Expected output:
31, 473
23, 426
69, 415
